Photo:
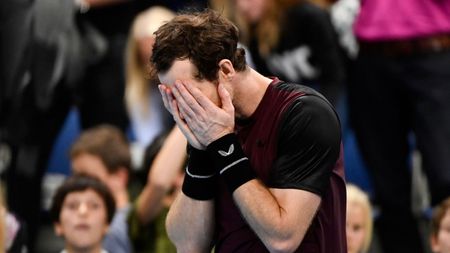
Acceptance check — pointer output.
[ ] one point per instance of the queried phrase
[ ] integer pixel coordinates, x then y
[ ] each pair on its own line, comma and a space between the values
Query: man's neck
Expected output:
249, 90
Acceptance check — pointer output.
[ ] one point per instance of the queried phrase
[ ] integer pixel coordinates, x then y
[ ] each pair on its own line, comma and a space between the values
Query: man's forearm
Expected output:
190, 224
280, 217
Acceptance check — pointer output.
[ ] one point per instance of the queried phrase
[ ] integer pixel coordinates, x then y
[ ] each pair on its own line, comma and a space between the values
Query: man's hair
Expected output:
438, 215
204, 38
108, 143
79, 183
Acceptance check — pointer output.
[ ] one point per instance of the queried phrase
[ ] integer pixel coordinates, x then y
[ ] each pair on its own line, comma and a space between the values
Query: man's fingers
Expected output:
184, 127
166, 97
196, 94
191, 107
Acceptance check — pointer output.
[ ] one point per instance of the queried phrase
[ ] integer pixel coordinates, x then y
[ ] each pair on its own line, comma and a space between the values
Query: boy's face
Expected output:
441, 242
356, 227
90, 165
83, 220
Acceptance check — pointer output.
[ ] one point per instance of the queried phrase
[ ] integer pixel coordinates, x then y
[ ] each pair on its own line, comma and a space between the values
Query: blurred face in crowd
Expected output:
356, 227
83, 221
184, 70
441, 242
251, 10
145, 45
91, 165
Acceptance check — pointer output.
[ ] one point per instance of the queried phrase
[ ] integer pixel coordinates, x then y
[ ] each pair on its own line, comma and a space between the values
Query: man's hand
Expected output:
171, 105
207, 121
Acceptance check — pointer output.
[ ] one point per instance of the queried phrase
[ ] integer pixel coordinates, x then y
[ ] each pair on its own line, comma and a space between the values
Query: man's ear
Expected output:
226, 70
58, 229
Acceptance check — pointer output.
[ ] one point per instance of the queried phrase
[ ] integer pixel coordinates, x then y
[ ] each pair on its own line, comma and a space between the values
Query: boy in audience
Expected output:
82, 209
103, 152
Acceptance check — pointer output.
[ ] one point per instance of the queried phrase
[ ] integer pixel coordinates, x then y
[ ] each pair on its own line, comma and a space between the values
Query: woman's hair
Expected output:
439, 214
268, 30
358, 197
79, 183
137, 78
205, 38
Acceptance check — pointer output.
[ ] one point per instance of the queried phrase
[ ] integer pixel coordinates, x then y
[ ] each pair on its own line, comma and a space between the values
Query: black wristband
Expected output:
230, 161
200, 177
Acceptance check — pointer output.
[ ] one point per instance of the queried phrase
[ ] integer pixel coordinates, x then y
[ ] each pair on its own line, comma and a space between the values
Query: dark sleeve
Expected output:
308, 146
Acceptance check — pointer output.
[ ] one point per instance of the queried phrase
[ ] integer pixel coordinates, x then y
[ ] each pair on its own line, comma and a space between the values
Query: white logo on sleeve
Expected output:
230, 151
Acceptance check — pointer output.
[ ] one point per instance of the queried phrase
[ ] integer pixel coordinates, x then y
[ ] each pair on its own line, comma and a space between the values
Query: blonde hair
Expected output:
358, 197
137, 73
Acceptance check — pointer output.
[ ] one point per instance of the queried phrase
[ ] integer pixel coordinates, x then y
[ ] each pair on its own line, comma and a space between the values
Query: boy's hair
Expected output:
108, 143
439, 214
204, 38
79, 183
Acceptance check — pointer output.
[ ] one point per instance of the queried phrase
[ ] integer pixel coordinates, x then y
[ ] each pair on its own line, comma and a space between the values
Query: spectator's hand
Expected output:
206, 121
172, 106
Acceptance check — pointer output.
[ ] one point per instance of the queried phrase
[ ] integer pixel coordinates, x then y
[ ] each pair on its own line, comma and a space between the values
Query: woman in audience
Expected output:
146, 110
359, 220
293, 40
440, 228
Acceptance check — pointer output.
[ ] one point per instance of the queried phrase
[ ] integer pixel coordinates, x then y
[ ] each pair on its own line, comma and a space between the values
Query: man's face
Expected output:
83, 220
183, 70
441, 242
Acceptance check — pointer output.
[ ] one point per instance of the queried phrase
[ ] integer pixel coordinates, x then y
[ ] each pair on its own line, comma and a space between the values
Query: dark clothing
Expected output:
392, 97
292, 141
307, 52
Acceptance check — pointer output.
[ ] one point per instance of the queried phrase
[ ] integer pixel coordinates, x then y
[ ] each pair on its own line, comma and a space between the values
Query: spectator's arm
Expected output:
165, 168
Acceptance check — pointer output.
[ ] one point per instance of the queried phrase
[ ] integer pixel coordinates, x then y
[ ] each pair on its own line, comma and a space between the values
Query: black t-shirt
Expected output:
307, 53
292, 141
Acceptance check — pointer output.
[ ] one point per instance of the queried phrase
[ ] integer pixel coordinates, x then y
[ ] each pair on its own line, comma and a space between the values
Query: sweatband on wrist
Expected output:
230, 161
200, 178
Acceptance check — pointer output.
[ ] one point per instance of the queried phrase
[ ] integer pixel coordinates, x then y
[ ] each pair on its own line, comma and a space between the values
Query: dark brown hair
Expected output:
108, 143
439, 214
79, 183
204, 38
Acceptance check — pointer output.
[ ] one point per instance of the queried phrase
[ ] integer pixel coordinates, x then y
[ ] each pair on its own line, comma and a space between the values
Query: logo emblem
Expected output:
230, 151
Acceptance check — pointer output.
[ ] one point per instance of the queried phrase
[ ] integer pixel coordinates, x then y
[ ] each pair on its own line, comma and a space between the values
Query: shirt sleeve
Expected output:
308, 146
